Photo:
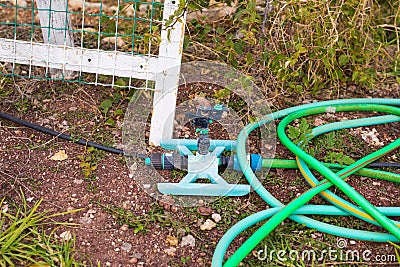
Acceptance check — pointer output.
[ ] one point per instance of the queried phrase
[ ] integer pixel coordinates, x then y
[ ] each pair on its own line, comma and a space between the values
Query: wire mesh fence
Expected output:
107, 42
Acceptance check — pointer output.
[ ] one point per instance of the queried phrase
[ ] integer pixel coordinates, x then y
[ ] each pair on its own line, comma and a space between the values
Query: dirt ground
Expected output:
153, 234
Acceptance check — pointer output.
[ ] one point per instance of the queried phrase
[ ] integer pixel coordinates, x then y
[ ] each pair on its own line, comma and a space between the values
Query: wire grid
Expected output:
129, 27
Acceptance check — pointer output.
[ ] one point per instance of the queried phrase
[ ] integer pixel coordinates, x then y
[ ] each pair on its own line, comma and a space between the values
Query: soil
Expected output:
100, 237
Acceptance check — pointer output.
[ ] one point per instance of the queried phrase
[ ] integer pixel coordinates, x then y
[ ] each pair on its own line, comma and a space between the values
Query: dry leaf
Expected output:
20, 3
172, 240
89, 29
60, 156
40, 264
75, 4
78, 4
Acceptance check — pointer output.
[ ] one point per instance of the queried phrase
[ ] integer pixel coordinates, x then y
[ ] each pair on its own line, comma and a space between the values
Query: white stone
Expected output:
216, 217
208, 225
66, 235
188, 240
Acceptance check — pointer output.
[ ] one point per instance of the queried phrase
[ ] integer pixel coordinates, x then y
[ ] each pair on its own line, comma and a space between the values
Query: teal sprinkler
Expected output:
204, 163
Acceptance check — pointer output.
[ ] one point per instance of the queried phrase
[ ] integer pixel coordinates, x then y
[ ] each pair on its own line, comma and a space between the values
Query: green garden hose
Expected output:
296, 210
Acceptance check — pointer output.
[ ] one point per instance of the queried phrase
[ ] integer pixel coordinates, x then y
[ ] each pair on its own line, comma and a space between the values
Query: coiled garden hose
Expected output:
296, 210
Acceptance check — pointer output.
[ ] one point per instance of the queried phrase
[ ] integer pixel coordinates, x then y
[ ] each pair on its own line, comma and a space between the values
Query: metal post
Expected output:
56, 28
167, 81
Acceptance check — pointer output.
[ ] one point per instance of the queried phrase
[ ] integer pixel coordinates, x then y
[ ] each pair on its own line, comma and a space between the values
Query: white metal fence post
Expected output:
56, 28
166, 88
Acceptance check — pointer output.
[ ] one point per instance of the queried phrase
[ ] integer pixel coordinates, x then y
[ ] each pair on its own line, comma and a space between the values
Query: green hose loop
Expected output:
295, 210
334, 178
328, 195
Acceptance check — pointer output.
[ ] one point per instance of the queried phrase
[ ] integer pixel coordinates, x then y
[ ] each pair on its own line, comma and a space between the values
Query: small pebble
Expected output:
85, 220
208, 225
126, 205
78, 181
170, 251
146, 186
313, 236
205, 211
66, 235
174, 208
188, 240
136, 255
216, 217
126, 246
124, 227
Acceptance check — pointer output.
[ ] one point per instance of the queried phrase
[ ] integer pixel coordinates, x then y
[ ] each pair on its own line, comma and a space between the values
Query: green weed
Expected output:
141, 223
301, 135
338, 157
306, 45
396, 250
24, 242
88, 164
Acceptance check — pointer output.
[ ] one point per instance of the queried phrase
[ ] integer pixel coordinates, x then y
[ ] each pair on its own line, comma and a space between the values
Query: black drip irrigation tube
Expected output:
120, 151
66, 136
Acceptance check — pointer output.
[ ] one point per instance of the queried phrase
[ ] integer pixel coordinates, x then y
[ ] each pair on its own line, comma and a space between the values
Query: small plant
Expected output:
177, 174
89, 162
185, 260
338, 157
396, 250
140, 223
301, 135
4, 91
106, 105
23, 242
222, 94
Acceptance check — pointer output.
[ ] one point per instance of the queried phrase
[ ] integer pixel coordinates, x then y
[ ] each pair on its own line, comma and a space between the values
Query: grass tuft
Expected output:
23, 242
